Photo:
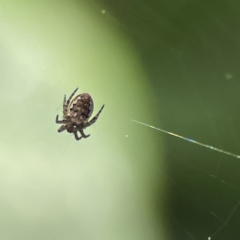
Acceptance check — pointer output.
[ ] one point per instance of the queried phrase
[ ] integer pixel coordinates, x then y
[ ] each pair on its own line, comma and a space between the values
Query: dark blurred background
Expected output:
190, 51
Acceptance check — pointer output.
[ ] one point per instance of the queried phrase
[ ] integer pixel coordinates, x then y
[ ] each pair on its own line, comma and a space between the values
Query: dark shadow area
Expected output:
190, 51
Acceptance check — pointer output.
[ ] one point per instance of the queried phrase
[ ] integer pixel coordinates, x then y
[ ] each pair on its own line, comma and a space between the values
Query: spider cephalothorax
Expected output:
76, 114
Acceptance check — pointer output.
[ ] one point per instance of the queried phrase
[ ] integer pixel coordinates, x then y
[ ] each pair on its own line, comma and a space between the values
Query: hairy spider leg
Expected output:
75, 134
69, 99
60, 121
82, 133
93, 120
65, 104
63, 127
190, 140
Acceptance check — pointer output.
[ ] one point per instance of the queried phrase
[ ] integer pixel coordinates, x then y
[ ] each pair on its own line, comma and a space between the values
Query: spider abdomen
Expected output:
81, 107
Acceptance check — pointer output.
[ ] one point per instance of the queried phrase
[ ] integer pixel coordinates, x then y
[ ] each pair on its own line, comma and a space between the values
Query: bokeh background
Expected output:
108, 186
170, 64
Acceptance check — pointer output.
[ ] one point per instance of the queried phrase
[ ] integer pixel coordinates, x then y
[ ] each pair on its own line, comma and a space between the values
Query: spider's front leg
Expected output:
92, 121
66, 103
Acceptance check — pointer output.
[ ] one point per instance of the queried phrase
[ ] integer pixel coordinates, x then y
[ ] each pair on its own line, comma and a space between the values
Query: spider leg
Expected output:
62, 128
83, 134
76, 136
93, 120
64, 100
69, 99
66, 103
60, 121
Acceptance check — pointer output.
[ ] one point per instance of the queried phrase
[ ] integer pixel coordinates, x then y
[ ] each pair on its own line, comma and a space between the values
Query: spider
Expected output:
76, 114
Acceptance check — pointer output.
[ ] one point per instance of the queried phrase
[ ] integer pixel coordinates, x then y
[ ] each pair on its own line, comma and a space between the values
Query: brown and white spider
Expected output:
76, 114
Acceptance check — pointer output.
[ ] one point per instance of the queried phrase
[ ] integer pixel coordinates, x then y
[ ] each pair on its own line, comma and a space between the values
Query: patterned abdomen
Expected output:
81, 107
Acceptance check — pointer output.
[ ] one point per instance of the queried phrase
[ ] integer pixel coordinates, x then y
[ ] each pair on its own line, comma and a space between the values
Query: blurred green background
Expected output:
190, 51
171, 64
51, 186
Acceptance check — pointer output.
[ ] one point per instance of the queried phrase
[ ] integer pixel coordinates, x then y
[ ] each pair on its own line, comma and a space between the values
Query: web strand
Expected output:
190, 140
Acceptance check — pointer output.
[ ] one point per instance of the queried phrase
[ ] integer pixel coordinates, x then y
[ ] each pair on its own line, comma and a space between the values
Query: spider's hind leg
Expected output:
62, 128
75, 135
83, 134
